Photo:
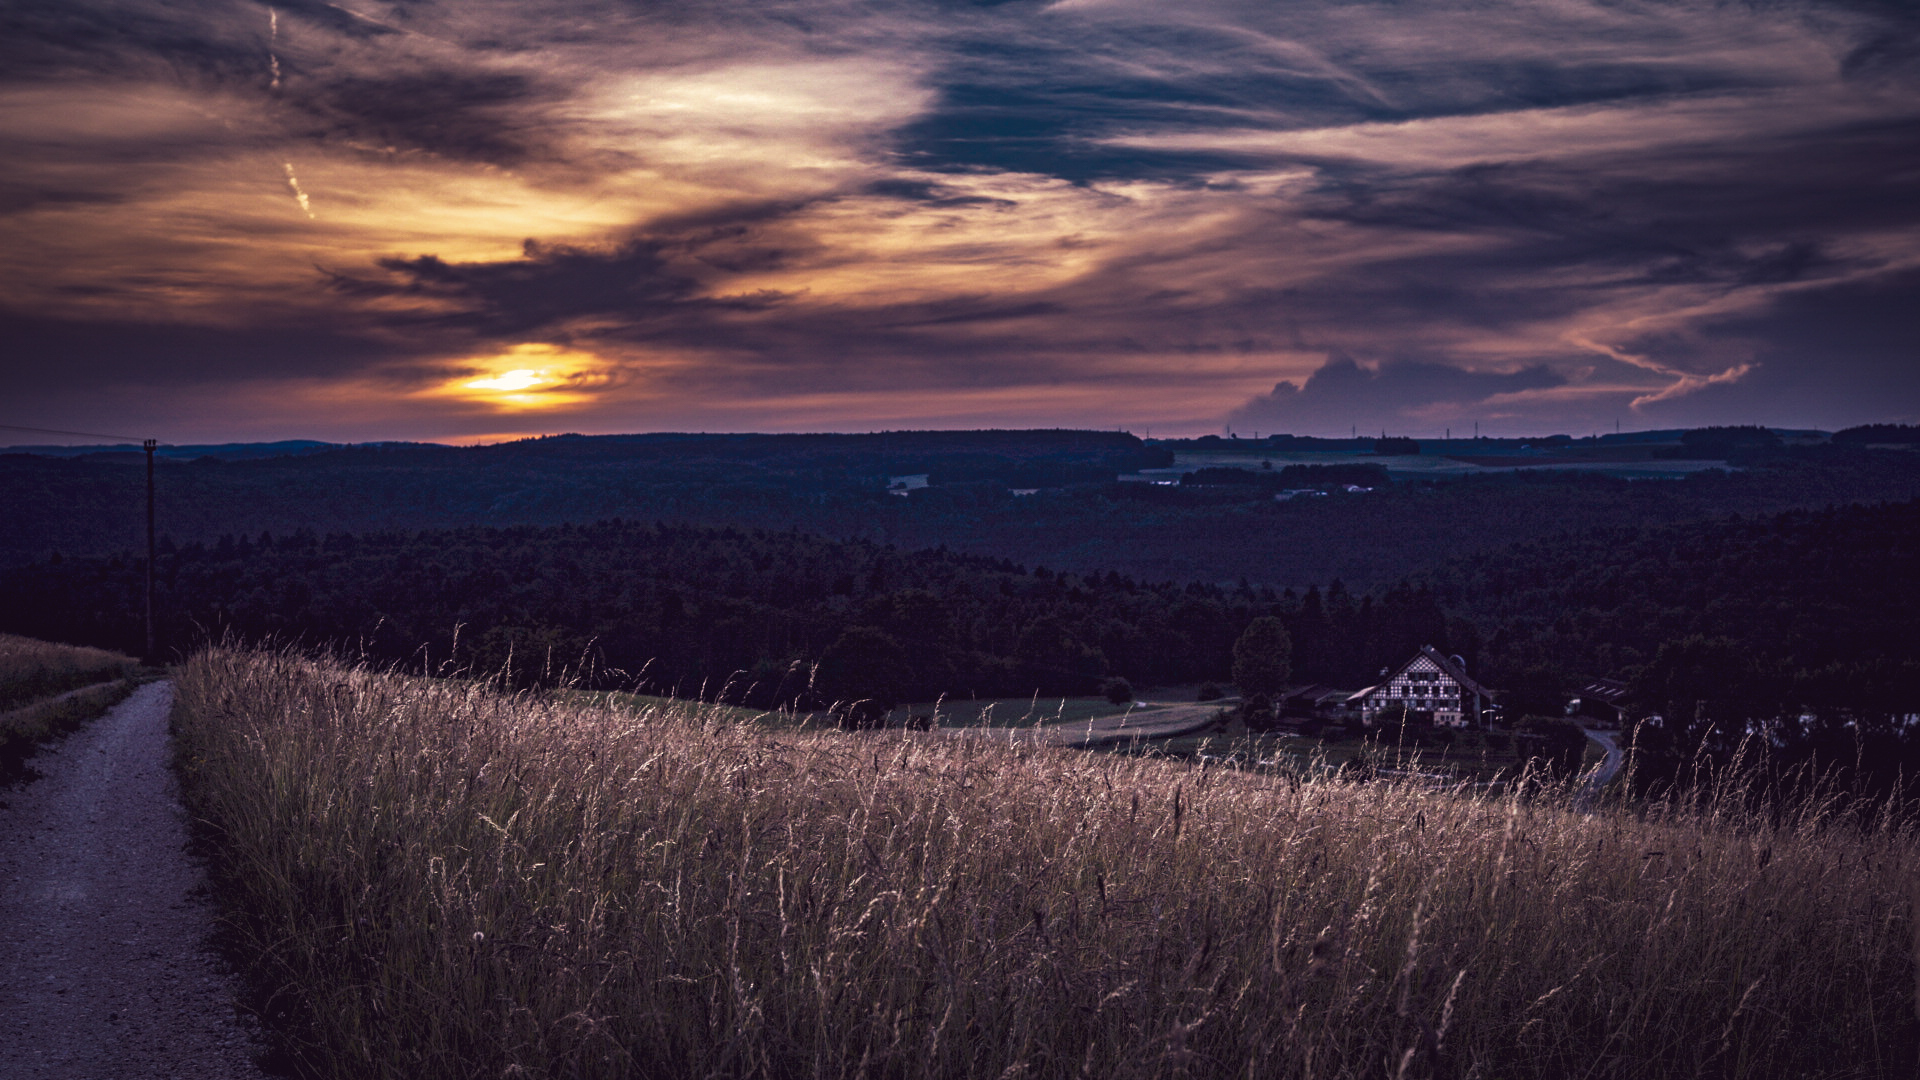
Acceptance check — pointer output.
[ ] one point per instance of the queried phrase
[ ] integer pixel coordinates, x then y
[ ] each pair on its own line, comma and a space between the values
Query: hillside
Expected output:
836, 486
430, 880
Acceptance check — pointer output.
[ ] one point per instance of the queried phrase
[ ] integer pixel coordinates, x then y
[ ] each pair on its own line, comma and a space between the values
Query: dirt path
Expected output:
103, 970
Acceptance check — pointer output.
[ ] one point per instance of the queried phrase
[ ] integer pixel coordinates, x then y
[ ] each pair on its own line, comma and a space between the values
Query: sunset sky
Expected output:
225, 220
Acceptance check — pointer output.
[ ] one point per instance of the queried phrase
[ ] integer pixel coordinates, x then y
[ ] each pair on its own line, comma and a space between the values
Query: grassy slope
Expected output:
31, 669
428, 880
47, 690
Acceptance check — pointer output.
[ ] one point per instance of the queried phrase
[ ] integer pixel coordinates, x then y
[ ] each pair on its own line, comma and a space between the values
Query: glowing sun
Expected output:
530, 376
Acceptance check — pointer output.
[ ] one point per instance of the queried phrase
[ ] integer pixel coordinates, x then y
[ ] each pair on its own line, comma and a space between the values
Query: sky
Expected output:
227, 220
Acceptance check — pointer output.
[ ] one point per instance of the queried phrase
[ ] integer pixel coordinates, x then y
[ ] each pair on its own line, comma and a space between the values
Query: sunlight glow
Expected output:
530, 376
522, 379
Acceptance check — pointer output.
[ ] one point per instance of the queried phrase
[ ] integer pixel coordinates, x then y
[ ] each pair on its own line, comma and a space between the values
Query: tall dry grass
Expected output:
31, 669
38, 696
434, 880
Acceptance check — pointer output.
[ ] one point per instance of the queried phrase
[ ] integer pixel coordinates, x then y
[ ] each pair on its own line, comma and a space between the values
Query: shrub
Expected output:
1117, 690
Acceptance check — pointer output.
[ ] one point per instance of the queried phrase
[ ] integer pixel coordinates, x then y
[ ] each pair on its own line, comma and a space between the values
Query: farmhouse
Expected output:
1427, 683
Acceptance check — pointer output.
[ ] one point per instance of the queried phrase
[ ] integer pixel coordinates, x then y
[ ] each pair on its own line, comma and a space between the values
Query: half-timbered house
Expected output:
1427, 683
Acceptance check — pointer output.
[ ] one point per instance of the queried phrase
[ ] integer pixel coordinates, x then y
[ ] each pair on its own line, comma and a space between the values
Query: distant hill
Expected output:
837, 485
187, 452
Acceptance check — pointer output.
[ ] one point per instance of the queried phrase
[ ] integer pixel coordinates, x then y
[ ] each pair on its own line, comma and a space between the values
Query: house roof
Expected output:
1445, 663
1451, 667
1610, 691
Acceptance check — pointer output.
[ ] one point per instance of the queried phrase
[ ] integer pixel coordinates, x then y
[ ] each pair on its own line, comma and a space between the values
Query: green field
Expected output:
1016, 712
1432, 465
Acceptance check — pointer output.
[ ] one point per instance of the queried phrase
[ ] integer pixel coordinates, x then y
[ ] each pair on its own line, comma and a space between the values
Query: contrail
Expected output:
273, 65
293, 185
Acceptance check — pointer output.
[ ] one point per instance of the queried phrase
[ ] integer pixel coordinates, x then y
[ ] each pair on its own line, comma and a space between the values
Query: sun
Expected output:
529, 376
515, 381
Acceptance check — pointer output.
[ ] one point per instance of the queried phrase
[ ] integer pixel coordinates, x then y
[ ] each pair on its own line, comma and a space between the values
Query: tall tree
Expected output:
1262, 660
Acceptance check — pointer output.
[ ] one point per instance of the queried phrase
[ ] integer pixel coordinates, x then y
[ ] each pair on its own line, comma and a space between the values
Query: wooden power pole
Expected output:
148, 445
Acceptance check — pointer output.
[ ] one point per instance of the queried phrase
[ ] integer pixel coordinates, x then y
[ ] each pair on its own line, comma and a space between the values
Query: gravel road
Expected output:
104, 972
1603, 774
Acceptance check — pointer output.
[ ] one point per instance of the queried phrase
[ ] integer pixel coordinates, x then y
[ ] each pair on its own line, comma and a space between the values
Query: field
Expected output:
433, 880
30, 669
1016, 712
48, 689
1478, 764
1434, 463
954, 712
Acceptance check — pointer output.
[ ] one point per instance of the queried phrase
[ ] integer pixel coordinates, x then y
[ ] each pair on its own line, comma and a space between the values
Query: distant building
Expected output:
1314, 702
1427, 683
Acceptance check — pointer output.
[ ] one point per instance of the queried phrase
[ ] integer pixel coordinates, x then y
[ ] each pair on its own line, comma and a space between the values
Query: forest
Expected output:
1736, 622
1802, 627
743, 614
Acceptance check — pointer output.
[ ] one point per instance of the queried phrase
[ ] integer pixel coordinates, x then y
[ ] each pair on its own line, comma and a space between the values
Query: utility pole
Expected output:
148, 445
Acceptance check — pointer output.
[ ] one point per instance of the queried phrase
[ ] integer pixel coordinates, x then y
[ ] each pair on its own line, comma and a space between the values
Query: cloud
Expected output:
1342, 394
1089, 212
490, 117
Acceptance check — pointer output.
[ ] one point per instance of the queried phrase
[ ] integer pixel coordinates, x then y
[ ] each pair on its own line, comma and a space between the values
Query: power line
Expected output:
81, 434
147, 446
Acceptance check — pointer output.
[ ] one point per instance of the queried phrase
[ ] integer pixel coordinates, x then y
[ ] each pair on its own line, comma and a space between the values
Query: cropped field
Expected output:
431, 880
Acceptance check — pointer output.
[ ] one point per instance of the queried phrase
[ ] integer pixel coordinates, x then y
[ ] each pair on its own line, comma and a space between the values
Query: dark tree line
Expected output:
1800, 630
762, 617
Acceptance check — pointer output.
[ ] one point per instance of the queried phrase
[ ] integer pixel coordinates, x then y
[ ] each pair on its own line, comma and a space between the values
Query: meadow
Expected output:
48, 689
428, 879
30, 669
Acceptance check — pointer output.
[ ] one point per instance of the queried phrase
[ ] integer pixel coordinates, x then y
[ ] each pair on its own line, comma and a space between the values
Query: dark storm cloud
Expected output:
651, 285
43, 38
475, 116
1770, 216
1045, 110
49, 353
